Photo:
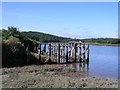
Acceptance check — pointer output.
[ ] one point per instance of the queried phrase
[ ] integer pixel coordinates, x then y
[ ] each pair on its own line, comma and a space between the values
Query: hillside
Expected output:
42, 37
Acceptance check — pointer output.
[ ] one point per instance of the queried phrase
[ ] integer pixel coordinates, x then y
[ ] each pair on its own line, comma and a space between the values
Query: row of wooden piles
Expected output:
71, 52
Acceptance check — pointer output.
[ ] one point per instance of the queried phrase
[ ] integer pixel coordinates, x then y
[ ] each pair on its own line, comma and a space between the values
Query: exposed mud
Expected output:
51, 76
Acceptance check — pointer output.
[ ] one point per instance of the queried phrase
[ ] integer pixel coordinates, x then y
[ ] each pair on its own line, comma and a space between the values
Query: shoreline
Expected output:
52, 76
103, 44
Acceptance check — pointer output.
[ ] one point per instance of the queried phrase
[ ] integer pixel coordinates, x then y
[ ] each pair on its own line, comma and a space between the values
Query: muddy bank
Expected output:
52, 76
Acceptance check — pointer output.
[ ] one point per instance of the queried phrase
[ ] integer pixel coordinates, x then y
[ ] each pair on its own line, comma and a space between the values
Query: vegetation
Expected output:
13, 53
42, 37
14, 44
102, 40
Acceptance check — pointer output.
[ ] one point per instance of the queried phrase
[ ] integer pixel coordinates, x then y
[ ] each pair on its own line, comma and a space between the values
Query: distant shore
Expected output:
51, 76
101, 44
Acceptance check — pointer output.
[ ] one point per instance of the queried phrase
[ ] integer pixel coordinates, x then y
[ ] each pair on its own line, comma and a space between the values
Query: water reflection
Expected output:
82, 67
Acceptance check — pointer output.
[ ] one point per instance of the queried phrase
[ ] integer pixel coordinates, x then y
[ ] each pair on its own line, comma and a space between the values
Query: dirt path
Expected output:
51, 76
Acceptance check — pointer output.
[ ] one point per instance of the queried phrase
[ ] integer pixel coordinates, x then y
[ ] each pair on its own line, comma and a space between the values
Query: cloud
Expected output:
111, 35
87, 34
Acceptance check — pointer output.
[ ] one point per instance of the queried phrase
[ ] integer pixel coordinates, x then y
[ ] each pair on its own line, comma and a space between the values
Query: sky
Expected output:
67, 19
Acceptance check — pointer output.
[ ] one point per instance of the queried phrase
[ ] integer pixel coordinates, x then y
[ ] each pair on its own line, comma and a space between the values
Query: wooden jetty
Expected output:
71, 52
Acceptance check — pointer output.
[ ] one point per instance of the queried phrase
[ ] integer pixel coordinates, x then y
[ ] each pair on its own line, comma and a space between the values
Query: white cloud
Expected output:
111, 35
88, 34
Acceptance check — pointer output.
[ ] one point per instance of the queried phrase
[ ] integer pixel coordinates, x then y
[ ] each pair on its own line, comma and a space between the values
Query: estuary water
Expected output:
103, 62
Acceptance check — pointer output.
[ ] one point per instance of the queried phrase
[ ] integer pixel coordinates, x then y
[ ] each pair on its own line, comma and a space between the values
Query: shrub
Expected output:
13, 53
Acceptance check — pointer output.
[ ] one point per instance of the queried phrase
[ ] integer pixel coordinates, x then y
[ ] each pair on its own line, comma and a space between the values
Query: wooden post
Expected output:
58, 54
39, 53
51, 49
54, 49
80, 52
83, 51
44, 49
64, 50
70, 51
75, 51
49, 53
88, 53
66, 54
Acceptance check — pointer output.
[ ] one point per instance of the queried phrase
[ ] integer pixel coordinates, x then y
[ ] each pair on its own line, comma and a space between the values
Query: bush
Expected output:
13, 53
14, 48
30, 43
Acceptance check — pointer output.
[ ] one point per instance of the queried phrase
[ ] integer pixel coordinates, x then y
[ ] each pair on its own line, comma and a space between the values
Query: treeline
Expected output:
42, 37
102, 40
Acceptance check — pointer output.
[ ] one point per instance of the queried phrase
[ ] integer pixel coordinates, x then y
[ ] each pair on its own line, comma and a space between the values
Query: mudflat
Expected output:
51, 76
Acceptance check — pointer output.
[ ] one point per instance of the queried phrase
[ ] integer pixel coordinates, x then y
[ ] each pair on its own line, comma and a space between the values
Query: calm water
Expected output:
103, 62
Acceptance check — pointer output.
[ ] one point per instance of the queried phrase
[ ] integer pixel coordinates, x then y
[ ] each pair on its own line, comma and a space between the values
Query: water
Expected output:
103, 62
